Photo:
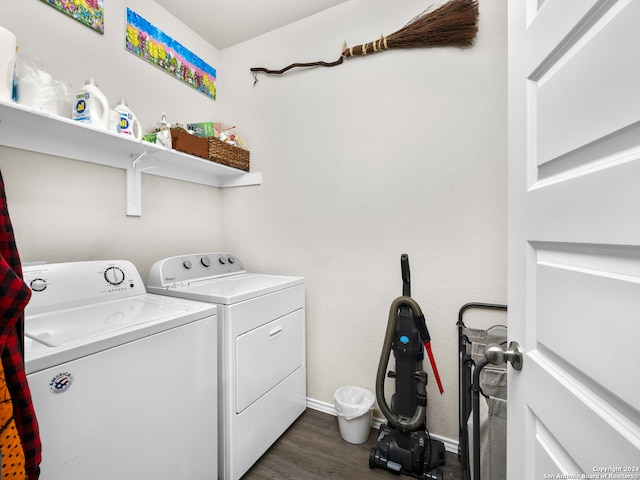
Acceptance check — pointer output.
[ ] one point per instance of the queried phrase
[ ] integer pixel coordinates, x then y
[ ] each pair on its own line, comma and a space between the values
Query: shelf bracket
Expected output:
134, 192
134, 184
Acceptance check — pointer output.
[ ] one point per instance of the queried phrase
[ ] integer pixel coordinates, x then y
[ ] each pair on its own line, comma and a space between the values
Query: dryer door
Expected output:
267, 355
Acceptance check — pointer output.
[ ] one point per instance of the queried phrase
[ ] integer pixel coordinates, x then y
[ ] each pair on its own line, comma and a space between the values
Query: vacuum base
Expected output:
420, 457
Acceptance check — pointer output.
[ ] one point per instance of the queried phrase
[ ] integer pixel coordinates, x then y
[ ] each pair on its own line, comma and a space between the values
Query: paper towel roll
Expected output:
7, 63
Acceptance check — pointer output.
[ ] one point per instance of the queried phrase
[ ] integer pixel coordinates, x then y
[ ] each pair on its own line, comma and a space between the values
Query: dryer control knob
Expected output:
38, 284
114, 275
232, 260
187, 264
205, 261
222, 260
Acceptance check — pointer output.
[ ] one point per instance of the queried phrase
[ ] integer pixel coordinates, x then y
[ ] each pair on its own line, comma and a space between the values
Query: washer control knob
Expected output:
38, 284
114, 275
222, 260
232, 260
187, 264
205, 261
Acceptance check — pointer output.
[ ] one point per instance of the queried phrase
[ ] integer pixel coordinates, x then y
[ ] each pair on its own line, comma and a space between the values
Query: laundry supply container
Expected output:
354, 407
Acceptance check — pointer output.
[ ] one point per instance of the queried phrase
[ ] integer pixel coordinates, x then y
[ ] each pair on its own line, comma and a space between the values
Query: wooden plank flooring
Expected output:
312, 448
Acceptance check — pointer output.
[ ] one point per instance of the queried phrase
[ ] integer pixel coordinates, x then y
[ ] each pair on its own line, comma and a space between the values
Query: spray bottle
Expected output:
163, 137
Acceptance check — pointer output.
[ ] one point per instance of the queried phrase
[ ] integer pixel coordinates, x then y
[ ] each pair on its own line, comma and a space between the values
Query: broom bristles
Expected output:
453, 24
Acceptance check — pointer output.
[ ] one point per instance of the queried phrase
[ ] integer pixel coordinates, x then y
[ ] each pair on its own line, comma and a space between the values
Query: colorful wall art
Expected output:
89, 12
156, 47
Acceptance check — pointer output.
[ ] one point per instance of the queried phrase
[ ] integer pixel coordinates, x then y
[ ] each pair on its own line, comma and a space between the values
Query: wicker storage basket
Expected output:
229, 155
210, 149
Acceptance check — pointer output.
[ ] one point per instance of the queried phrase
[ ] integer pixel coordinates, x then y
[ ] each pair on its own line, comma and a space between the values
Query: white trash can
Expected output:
354, 407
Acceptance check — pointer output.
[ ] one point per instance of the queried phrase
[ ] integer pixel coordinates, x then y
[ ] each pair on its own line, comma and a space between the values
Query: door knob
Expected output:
497, 354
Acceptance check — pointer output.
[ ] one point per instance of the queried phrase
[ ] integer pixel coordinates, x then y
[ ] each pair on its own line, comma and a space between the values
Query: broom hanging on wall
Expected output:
453, 24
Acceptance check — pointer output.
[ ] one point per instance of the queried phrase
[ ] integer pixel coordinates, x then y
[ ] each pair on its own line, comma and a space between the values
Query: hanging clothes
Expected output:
12, 461
14, 296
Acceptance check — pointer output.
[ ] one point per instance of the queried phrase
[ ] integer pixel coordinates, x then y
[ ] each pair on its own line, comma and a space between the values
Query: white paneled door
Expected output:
574, 238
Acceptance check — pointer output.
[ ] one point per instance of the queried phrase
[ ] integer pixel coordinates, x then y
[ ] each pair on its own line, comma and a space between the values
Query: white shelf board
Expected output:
29, 129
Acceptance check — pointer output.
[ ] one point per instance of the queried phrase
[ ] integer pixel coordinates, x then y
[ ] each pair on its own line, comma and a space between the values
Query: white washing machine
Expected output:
123, 382
261, 345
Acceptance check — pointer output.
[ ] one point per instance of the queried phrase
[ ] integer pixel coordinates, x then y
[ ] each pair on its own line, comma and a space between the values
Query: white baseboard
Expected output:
450, 445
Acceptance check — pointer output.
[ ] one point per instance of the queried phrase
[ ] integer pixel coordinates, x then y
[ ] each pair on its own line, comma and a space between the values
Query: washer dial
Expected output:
114, 275
38, 284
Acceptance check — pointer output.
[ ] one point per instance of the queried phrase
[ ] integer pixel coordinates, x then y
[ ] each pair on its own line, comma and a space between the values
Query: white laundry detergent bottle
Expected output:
128, 124
7, 63
91, 106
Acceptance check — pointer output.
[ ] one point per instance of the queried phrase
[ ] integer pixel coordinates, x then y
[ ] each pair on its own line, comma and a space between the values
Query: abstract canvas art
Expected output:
89, 12
156, 47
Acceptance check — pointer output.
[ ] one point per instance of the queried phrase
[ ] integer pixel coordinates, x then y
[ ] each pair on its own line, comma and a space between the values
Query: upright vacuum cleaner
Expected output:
404, 443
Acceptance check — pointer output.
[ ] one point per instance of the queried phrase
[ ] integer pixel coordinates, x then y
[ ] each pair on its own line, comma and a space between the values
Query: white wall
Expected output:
399, 152
64, 210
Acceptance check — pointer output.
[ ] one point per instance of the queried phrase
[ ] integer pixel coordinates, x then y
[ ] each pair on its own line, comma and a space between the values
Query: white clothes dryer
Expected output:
262, 364
123, 382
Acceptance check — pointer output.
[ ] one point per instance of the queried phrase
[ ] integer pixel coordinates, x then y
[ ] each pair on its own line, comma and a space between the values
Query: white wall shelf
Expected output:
29, 129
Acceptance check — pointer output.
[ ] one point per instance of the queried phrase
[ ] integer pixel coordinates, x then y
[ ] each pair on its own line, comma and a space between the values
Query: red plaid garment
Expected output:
14, 296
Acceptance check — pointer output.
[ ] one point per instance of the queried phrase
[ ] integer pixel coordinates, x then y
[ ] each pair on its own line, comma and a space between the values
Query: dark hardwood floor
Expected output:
312, 448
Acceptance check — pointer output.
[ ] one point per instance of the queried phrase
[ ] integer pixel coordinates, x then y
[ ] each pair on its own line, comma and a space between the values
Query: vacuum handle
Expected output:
406, 275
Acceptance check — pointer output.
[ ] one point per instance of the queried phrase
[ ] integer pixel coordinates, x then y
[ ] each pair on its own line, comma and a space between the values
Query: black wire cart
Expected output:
482, 418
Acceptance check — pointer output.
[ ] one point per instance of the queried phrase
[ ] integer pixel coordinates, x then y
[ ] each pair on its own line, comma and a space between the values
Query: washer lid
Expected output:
68, 334
231, 289
84, 324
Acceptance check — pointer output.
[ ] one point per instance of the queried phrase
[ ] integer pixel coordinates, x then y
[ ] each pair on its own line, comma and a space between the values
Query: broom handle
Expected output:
364, 49
255, 70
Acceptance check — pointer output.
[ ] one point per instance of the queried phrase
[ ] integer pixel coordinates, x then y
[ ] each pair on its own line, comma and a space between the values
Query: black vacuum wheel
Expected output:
372, 458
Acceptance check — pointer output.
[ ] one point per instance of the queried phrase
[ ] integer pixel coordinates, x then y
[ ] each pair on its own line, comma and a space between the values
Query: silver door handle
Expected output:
497, 354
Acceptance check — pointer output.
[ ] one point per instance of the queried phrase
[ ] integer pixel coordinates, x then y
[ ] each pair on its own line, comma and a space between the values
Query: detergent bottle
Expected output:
8, 47
91, 106
128, 124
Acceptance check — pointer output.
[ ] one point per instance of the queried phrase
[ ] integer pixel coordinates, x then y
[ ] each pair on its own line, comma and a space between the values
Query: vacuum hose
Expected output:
401, 423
